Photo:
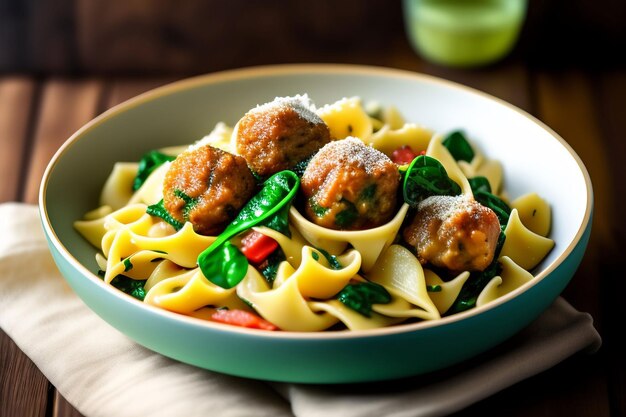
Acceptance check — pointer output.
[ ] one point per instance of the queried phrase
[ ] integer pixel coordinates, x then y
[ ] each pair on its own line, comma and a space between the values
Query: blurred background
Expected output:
196, 36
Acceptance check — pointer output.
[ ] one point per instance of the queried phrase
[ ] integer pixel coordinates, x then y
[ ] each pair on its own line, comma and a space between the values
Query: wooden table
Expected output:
585, 106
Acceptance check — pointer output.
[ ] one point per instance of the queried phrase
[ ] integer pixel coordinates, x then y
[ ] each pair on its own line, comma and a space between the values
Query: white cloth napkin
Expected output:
103, 373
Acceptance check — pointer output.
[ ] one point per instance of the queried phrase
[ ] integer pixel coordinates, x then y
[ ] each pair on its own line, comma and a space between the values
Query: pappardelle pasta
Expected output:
305, 218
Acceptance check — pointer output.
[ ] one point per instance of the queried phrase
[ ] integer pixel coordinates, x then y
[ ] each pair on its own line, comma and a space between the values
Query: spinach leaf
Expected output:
279, 221
482, 193
127, 285
276, 195
132, 287
278, 191
426, 177
226, 266
360, 296
148, 163
459, 147
159, 210
479, 183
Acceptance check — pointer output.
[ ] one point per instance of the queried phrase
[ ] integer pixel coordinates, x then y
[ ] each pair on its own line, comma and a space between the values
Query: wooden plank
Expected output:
123, 89
16, 107
23, 389
66, 105
62, 408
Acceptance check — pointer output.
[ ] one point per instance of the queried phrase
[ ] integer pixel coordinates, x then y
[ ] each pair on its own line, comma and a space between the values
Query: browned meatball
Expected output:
350, 186
280, 134
207, 187
456, 233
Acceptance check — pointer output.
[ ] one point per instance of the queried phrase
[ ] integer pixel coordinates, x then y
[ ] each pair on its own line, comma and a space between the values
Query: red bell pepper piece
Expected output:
242, 318
257, 247
403, 155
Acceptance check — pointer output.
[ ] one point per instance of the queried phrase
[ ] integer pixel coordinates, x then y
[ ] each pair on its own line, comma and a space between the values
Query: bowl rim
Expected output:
302, 69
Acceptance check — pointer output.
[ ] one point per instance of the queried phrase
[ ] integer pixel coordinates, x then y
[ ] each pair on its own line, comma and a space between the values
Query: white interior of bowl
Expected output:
534, 157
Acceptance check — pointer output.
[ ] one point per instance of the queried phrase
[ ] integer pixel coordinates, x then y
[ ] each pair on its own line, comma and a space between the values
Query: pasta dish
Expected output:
307, 218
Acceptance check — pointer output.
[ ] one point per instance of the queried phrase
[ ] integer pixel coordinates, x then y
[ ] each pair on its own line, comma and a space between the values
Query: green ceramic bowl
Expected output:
534, 158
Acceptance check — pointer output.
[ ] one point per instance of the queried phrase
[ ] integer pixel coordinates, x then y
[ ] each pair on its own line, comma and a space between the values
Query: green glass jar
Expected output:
464, 33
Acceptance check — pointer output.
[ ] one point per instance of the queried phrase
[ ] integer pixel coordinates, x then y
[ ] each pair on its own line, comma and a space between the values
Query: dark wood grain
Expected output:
23, 389
122, 89
16, 102
62, 408
66, 105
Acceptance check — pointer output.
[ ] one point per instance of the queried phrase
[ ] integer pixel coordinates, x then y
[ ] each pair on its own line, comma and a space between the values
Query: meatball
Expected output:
456, 233
207, 187
350, 186
280, 134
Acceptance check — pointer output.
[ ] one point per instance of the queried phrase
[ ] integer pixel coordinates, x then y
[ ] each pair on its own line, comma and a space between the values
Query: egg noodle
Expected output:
142, 254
